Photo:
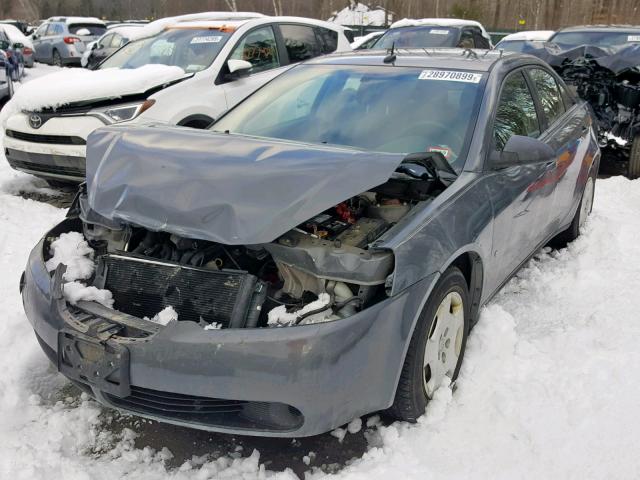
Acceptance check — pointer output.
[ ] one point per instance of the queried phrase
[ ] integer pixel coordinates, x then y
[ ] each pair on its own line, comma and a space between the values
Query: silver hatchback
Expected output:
62, 40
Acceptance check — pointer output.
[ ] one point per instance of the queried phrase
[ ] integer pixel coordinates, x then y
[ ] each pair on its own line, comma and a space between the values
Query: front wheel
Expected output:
633, 170
437, 346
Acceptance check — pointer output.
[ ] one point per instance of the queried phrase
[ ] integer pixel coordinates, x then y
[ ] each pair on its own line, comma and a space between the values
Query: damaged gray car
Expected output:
322, 252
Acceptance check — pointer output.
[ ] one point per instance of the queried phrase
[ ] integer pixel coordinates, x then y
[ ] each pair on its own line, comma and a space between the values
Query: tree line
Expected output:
494, 14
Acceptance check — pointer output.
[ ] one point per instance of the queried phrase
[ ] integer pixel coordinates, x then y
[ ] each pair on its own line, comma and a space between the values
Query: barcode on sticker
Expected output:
450, 76
633, 38
435, 31
208, 39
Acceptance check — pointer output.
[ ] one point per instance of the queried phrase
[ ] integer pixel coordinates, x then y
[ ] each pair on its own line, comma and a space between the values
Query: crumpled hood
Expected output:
225, 188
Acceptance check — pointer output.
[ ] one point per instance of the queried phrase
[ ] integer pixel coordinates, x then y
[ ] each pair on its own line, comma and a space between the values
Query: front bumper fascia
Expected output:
330, 372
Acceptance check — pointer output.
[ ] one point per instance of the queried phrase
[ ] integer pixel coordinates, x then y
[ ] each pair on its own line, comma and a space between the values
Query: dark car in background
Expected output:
434, 33
596, 35
62, 40
115, 37
322, 251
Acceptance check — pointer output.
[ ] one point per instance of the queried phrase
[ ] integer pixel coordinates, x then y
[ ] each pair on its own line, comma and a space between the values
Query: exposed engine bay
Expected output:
324, 269
614, 98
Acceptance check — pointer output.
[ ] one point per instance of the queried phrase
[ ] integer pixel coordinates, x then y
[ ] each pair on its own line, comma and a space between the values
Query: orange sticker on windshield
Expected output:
443, 150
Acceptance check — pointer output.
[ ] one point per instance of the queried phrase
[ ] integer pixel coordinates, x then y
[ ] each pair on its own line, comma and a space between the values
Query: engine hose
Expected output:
346, 302
312, 312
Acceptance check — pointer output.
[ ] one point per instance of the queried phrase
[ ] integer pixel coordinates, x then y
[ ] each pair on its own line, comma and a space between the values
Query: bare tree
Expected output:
231, 5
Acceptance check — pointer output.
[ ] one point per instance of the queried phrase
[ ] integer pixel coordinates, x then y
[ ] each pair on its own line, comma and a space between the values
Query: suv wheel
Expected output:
437, 346
634, 159
57, 59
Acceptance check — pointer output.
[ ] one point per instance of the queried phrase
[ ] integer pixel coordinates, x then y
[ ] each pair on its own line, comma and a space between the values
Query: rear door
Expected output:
38, 41
566, 130
520, 207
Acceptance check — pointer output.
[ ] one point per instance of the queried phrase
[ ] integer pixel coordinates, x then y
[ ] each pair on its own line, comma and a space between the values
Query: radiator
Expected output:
143, 287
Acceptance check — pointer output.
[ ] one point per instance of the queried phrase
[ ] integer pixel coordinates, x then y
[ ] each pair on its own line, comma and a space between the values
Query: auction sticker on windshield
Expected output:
435, 31
208, 39
633, 38
450, 76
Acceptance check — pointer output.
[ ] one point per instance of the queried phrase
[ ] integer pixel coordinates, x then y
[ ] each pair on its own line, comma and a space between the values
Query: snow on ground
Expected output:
549, 387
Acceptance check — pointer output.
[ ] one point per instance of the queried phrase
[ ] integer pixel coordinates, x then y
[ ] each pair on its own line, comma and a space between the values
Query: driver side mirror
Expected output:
238, 69
18, 45
521, 150
4, 45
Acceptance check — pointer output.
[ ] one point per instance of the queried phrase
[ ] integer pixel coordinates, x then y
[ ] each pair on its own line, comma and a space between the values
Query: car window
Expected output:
94, 30
549, 94
42, 29
516, 112
328, 39
418, 37
105, 41
259, 49
117, 40
53, 30
481, 42
376, 108
300, 41
466, 39
599, 38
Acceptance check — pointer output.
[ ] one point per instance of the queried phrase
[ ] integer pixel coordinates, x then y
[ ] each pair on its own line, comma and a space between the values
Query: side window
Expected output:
51, 30
328, 39
42, 29
549, 94
105, 41
117, 40
516, 112
300, 41
481, 42
259, 49
466, 39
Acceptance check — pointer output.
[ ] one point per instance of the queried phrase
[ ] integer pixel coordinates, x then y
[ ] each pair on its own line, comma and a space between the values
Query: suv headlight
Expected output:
122, 113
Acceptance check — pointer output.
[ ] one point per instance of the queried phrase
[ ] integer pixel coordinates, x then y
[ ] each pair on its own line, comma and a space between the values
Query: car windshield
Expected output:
512, 45
601, 39
384, 109
95, 30
191, 49
419, 37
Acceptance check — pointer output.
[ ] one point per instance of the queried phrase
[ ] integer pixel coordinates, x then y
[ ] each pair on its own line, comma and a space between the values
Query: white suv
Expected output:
224, 60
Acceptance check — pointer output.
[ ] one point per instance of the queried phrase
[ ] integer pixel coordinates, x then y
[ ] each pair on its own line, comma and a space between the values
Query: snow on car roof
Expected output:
529, 36
439, 22
70, 20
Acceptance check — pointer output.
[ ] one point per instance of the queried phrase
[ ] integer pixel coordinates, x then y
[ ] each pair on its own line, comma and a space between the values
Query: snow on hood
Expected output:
15, 35
75, 85
225, 188
529, 36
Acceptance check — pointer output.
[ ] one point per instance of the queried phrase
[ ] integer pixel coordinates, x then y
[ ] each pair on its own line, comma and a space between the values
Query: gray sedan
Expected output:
323, 252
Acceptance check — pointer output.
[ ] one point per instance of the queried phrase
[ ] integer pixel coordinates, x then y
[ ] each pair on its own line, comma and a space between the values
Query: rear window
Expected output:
94, 29
601, 39
419, 37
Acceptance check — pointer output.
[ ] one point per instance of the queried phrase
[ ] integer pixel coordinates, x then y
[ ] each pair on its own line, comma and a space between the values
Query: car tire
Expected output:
442, 329
633, 171
584, 210
56, 59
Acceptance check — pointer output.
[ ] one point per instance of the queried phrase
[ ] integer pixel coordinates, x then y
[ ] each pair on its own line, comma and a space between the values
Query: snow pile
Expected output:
279, 317
166, 315
73, 251
76, 291
529, 36
360, 14
75, 84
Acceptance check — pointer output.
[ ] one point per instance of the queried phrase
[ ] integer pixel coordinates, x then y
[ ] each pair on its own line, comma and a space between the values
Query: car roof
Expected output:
600, 28
456, 58
529, 35
70, 20
439, 22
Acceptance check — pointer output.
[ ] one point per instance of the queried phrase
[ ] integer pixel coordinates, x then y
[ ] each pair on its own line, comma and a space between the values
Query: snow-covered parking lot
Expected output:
549, 389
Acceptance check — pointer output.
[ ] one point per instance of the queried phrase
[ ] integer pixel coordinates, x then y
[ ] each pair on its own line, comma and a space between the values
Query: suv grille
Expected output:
51, 139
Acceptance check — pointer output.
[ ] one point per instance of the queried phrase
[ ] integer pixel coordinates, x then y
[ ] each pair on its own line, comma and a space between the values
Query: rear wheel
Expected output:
634, 159
56, 59
437, 346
